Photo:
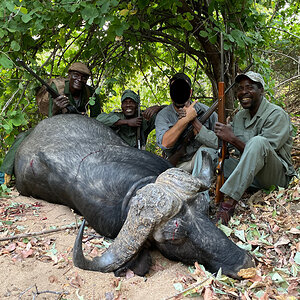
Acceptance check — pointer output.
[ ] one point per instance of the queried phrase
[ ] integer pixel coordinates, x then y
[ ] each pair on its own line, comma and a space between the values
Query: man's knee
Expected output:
258, 144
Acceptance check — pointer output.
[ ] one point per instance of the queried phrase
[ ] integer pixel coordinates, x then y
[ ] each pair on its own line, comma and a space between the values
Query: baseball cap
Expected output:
130, 94
256, 77
180, 88
80, 67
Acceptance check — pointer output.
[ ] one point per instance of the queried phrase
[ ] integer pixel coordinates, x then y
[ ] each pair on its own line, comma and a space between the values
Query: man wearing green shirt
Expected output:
261, 134
75, 97
73, 100
126, 122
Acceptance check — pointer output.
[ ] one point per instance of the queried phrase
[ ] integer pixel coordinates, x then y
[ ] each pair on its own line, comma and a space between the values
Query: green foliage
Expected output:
139, 44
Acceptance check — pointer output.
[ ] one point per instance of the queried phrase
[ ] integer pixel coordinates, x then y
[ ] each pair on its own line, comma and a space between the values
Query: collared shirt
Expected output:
127, 133
168, 116
271, 122
80, 105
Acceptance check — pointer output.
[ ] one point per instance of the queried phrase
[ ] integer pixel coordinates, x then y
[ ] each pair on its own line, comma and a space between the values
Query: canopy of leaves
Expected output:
139, 44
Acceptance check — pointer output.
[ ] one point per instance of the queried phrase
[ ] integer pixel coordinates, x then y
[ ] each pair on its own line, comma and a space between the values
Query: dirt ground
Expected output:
42, 265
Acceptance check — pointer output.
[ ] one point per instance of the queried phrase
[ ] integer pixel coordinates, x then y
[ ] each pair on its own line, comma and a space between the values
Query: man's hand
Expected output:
61, 101
190, 111
134, 122
150, 111
225, 132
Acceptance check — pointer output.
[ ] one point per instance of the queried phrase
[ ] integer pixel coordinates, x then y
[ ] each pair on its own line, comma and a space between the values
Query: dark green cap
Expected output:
130, 94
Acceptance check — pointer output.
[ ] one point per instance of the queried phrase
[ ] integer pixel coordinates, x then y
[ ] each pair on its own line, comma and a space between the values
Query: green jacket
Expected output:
87, 92
271, 122
127, 133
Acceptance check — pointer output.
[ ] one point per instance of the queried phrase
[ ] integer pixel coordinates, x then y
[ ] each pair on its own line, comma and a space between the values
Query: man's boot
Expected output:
226, 210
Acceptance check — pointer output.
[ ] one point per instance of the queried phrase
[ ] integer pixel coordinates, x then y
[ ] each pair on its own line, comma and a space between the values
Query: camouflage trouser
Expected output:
9, 159
259, 166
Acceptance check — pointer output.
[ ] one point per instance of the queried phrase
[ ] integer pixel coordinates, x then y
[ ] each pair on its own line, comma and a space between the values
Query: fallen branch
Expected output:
37, 292
191, 287
24, 235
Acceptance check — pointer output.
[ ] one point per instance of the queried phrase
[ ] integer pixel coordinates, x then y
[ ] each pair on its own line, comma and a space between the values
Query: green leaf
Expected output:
246, 247
240, 234
225, 229
26, 18
10, 5
89, 13
19, 120
6, 62
23, 10
277, 278
178, 286
188, 26
203, 33
143, 3
15, 46
297, 258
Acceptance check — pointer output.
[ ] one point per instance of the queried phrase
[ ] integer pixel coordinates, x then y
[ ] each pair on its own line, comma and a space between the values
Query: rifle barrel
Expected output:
52, 91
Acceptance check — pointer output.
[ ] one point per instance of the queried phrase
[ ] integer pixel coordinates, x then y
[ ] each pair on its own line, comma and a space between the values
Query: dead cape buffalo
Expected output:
124, 193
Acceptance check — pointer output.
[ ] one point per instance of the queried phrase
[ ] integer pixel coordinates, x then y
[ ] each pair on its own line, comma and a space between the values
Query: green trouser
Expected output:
9, 159
259, 166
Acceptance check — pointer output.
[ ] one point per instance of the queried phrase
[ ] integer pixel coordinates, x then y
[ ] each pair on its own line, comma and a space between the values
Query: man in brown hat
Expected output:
74, 99
76, 94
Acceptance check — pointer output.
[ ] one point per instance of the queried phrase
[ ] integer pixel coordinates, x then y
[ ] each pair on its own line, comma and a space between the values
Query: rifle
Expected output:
54, 94
180, 147
51, 91
221, 118
138, 129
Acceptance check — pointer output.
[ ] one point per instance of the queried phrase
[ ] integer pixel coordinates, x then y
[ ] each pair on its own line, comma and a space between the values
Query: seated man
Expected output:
127, 122
262, 135
74, 100
172, 122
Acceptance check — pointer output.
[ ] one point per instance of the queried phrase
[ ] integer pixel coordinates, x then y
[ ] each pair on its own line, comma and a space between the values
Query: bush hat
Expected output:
80, 67
130, 94
256, 77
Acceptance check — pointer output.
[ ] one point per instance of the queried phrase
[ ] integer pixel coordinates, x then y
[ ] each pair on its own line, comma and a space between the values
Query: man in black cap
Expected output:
173, 120
126, 122
261, 135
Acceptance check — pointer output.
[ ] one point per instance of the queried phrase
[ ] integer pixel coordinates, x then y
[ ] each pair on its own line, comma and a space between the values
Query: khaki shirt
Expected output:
271, 122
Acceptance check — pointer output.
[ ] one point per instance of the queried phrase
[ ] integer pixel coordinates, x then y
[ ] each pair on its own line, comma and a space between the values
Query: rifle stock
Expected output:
221, 118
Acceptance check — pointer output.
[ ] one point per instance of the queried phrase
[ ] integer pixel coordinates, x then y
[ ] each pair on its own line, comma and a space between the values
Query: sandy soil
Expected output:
41, 266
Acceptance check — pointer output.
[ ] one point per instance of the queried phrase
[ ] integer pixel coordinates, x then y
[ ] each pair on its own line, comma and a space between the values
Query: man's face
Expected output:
77, 80
180, 92
129, 108
249, 95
